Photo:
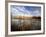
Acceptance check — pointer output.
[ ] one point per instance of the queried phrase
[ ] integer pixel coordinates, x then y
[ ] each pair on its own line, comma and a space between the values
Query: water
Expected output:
30, 24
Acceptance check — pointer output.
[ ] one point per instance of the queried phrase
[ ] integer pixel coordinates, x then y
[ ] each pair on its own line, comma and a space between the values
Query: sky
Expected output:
25, 10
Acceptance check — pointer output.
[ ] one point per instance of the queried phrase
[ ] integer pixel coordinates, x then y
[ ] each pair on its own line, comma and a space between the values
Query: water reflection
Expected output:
23, 25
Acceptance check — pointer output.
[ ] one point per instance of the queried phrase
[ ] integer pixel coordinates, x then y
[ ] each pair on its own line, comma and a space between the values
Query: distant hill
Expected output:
26, 17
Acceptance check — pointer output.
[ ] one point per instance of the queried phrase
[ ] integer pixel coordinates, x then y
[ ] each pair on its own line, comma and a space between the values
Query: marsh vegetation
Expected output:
25, 23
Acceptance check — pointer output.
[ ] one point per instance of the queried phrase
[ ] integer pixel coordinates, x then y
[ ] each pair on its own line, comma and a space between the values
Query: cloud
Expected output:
21, 10
36, 13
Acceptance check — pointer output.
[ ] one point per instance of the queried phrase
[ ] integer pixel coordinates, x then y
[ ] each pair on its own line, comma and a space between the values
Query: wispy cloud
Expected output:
24, 10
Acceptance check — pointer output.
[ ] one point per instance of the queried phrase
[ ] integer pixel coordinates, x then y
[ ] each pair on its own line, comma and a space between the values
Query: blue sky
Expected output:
25, 10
